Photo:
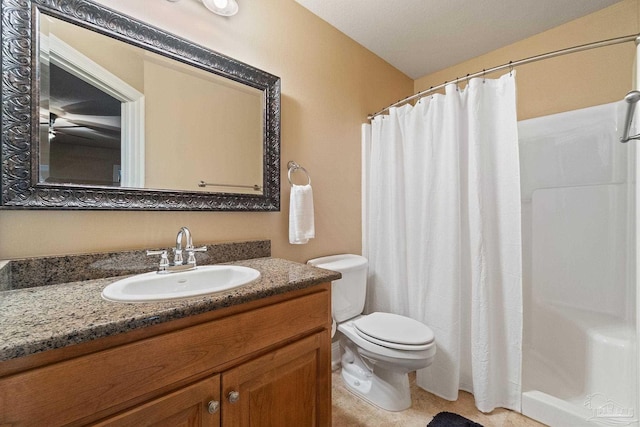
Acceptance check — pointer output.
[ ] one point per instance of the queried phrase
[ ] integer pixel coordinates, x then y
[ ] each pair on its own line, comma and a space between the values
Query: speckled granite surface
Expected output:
30, 272
42, 318
4, 276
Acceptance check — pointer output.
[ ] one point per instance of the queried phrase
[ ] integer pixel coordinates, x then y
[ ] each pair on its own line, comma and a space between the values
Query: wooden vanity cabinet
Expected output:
265, 363
278, 389
188, 406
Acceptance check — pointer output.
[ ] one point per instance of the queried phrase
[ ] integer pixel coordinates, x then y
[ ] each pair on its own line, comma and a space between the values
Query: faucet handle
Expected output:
159, 252
164, 259
191, 251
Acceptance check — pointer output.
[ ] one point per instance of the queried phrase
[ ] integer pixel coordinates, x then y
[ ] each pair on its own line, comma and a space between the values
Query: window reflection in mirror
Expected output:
112, 114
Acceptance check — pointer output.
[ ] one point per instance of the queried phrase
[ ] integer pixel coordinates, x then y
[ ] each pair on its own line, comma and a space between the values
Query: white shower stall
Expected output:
580, 363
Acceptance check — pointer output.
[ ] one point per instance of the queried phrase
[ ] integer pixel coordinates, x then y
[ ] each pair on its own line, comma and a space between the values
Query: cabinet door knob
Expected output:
233, 396
213, 406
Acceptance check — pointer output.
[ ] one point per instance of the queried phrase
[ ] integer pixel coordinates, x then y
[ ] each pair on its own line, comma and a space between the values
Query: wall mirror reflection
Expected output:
103, 111
114, 114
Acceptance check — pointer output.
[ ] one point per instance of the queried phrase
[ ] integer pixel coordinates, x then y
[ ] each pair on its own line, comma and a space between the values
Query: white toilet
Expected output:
378, 349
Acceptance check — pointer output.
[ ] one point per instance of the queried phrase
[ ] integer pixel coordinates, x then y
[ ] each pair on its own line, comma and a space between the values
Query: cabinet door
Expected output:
192, 406
287, 387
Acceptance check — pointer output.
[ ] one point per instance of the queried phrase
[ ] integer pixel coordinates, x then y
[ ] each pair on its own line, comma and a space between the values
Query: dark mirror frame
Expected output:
19, 186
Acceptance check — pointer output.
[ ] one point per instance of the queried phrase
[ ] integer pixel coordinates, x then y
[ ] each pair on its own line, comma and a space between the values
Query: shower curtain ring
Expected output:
510, 68
484, 74
457, 89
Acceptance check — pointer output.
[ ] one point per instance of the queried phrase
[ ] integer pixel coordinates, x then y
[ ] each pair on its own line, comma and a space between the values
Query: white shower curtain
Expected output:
442, 234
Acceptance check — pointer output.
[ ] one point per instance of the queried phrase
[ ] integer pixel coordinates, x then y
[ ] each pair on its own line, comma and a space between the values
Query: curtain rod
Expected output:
513, 64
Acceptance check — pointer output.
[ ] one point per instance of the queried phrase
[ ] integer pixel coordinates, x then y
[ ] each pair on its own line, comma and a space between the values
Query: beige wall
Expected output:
329, 85
209, 130
569, 82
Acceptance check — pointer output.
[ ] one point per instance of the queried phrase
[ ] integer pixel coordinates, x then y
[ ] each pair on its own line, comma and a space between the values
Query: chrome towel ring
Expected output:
293, 167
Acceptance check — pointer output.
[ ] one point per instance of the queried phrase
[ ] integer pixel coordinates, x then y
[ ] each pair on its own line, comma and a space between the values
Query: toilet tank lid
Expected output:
340, 263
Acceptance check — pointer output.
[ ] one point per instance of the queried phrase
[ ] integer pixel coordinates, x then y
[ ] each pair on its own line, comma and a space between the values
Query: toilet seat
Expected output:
394, 331
385, 352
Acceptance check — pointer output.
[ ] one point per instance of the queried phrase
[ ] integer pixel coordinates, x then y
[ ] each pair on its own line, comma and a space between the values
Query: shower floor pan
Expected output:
580, 369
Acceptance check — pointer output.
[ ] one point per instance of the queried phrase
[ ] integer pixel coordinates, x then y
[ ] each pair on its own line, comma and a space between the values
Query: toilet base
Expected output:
381, 387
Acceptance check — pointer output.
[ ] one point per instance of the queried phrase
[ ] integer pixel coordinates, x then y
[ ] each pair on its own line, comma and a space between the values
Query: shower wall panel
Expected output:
578, 219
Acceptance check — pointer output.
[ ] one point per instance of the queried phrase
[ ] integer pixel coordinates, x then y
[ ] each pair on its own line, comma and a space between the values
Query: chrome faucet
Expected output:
178, 259
177, 251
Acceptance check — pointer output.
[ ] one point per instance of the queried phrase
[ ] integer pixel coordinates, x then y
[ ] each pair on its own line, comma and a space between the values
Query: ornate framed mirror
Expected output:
102, 111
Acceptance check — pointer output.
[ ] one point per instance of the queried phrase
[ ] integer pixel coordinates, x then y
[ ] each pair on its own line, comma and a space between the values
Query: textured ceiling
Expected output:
419, 37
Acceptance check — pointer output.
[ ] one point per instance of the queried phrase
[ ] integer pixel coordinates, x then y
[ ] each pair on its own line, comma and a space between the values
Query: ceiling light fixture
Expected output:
222, 7
219, 7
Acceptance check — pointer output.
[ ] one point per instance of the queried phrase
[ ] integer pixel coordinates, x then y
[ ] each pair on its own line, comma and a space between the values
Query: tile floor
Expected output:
350, 411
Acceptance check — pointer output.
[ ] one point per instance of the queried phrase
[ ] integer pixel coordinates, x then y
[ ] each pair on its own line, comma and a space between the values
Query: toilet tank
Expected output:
349, 293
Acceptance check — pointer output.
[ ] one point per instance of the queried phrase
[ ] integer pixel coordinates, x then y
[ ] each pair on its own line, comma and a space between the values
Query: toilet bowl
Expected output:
378, 350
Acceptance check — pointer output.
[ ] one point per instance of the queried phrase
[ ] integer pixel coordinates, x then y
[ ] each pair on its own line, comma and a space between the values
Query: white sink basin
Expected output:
203, 280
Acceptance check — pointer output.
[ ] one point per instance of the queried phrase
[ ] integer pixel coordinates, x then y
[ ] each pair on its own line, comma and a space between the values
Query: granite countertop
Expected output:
49, 317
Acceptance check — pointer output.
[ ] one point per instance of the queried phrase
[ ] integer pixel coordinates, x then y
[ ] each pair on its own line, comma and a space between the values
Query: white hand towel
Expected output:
301, 221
